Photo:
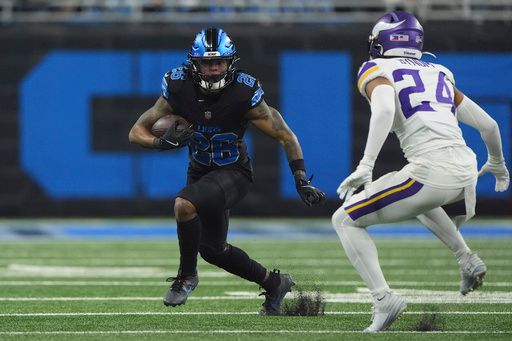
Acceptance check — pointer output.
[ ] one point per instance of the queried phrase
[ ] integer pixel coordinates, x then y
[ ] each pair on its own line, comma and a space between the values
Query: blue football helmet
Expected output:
396, 34
212, 43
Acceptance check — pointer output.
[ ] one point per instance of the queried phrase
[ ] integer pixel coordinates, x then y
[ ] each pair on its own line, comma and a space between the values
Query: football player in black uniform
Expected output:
218, 100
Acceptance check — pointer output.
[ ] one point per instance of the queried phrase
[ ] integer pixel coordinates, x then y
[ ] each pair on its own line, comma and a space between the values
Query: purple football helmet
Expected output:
396, 34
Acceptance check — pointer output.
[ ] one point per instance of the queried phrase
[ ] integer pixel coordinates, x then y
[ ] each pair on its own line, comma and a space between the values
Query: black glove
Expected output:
309, 194
174, 137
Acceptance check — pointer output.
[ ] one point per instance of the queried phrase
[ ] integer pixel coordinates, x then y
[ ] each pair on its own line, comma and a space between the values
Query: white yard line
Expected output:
116, 271
207, 313
299, 261
59, 299
362, 296
411, 296
236, 283
94, 271
241, 331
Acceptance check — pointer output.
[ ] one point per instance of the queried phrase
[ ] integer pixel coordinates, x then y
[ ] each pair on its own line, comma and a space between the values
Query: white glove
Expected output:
361, 176
499, 170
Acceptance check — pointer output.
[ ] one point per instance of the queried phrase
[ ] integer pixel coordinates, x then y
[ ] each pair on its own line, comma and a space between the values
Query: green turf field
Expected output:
112, 290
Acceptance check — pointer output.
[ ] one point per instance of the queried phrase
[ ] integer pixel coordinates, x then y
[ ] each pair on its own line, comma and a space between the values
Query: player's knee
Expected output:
214, 254
341, 220
184, 210
338, 217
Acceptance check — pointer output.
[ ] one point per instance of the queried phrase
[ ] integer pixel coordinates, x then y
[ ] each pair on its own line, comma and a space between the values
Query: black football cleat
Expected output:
274, 298
181, 287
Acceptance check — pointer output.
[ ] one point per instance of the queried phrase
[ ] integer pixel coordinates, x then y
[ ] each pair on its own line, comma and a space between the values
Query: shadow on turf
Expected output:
304, 304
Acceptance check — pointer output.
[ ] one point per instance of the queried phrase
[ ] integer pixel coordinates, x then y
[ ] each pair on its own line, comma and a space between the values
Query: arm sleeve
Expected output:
383, 109
472, 114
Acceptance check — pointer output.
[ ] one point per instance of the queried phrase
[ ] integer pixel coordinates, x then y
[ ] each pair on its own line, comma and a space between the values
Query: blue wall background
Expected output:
55, 116
485, 78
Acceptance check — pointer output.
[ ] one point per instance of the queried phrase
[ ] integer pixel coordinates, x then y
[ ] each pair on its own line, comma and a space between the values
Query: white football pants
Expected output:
392, 198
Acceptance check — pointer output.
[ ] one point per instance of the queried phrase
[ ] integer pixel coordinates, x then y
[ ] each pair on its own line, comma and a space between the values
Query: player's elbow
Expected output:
289, 138
132, 135
489, 126
494, 127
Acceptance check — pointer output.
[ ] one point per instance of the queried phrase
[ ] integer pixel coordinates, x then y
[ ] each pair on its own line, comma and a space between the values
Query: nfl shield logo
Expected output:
207, 115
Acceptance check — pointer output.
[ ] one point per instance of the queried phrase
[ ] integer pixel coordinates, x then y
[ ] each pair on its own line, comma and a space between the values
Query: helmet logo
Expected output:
384, 26
207, 115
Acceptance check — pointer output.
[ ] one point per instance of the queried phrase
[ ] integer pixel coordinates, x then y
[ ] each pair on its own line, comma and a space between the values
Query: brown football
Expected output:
161, 126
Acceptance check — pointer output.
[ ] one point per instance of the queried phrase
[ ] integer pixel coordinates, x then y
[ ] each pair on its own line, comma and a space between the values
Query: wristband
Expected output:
156, 142
297, 165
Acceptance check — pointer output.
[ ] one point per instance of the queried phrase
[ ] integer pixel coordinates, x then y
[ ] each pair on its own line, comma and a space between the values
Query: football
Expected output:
161, 126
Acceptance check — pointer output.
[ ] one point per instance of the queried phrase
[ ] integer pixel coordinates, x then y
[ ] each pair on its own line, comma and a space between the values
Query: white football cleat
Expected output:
472, 272
386, 311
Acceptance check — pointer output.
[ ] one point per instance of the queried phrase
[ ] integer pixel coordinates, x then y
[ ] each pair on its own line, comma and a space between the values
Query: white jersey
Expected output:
425, 119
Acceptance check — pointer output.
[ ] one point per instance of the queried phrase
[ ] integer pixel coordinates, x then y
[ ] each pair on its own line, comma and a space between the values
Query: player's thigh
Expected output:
395, 197
216, 191
234, 184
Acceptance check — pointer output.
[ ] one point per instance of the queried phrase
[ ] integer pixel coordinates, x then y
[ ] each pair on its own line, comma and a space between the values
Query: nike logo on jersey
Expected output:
383, 26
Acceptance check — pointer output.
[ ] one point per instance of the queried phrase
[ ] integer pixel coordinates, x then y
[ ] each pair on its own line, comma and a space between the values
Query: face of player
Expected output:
213, 67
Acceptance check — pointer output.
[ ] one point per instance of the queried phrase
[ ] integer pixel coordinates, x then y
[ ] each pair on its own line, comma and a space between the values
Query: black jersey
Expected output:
219, 120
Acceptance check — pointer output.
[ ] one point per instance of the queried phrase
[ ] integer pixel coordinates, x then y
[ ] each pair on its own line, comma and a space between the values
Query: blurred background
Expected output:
76, 74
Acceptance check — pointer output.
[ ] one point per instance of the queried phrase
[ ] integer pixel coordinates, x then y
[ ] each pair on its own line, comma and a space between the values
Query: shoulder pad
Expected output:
246, 79
447, 73
251, 87
368, 72
173, 80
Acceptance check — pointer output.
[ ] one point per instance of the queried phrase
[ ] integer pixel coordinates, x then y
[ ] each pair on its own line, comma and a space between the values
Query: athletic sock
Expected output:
237, 262
189, 235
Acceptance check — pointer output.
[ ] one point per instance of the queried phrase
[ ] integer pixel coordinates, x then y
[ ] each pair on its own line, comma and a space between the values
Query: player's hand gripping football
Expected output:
361, 176
175, 137
499, 170
308, 193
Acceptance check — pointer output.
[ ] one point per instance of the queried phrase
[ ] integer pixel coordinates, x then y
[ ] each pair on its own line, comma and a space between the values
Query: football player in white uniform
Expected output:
419, 102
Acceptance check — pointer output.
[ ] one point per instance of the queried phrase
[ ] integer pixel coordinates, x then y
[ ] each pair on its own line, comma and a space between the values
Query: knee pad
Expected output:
214, 254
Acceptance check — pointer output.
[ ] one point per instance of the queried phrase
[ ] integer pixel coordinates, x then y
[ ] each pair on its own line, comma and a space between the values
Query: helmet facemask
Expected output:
374, 48
212, 83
